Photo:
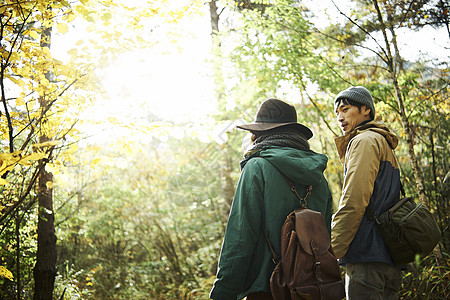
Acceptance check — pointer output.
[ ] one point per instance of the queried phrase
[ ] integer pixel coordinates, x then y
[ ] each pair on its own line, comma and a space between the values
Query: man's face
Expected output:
350, 116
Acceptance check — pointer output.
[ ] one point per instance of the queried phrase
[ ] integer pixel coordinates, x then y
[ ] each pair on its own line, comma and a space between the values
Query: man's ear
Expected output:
365, 111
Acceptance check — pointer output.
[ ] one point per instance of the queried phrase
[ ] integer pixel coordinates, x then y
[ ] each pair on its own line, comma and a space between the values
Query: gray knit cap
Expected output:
358, 94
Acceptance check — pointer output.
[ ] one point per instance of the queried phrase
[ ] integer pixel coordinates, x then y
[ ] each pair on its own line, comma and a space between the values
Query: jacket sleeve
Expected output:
362, 163
243, 227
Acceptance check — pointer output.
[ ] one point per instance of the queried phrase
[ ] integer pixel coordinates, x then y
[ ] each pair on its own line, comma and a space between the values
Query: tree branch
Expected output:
363, 30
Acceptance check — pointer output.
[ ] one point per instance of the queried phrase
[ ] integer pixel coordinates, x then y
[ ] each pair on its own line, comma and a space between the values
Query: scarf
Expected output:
281, 137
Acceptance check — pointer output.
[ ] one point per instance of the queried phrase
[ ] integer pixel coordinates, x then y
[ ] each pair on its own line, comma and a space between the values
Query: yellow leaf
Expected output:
80, 9
62, 27
20, 101
49, 185
3, 182
4, 272
7, 165
69, 17
106, 17
140, 39
29, 159
113, 120
16, 81
33, 34
46, 144
14, 56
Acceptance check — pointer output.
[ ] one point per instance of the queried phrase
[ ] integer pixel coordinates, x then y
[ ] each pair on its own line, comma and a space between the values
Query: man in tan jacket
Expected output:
371, 175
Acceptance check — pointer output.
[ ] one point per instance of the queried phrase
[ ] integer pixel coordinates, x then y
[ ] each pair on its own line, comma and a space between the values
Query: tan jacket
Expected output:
364, 152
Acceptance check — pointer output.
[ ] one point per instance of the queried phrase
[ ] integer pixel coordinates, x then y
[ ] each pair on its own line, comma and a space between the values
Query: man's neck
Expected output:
363, 123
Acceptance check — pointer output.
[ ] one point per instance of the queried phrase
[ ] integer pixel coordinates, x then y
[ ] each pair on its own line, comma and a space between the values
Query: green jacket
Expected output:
264, 197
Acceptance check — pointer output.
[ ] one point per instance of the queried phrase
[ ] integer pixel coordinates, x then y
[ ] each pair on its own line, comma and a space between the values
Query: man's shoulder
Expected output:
366, 137
377, 136
379, 132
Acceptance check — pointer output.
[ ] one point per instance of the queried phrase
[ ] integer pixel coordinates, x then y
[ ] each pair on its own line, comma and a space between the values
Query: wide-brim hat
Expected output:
275, 113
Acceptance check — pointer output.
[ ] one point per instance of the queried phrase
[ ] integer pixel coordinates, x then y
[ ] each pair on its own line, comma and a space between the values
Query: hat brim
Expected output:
259, 126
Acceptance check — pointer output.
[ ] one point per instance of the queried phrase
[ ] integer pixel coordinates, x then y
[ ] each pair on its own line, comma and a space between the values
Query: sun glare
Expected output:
170, 82
159, 87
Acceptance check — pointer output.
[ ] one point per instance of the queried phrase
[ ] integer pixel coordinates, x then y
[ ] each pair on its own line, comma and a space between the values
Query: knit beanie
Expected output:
358, 94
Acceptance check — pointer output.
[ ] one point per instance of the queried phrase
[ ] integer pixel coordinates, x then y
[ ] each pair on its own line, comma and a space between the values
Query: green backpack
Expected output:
407, 229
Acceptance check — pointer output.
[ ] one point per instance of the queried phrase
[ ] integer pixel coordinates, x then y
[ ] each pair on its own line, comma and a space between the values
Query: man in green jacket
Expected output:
264, 199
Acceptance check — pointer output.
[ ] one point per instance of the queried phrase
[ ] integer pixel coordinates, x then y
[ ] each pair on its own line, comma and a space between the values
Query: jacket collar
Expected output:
248, 155
343, 141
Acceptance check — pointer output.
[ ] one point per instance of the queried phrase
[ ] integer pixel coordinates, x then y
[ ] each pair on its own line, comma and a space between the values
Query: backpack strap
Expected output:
275, 258
402, 189
293, 188
370, 212
371, 215
302, 201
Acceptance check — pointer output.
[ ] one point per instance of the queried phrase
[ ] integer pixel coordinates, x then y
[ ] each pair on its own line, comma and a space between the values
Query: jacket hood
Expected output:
302, 166
343, 141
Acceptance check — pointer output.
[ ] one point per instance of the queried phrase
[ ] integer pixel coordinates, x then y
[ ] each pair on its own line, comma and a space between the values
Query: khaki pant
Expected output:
372, 280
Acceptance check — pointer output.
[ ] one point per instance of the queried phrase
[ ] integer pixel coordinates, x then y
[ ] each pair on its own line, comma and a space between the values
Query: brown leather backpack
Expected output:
308, 268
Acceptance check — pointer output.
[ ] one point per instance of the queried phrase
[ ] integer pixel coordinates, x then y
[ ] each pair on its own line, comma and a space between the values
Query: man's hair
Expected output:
346, 101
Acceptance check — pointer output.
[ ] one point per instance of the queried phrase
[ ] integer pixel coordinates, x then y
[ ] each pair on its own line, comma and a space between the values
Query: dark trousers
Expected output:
260, 296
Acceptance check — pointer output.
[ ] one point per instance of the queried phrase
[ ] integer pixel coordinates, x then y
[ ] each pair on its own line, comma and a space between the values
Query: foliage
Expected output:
35, 94
42, 96
425, 280
158, 230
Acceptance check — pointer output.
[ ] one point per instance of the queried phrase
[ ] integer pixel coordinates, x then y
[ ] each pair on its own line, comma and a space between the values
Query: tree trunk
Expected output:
393, 64
18, 253
226, 166
45, 267
394, 67
214, 17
